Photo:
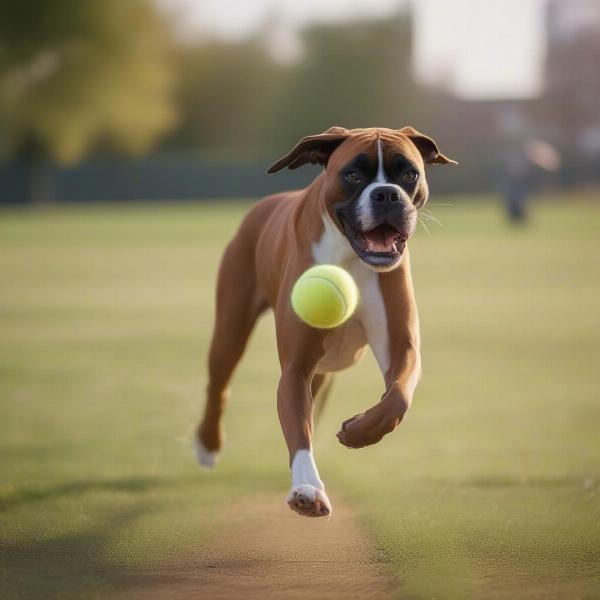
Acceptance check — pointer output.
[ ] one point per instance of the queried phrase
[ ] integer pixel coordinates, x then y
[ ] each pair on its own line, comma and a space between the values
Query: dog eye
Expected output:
410, 176
353, 177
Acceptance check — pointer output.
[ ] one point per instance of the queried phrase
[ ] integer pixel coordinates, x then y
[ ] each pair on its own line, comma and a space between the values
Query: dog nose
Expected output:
385, 193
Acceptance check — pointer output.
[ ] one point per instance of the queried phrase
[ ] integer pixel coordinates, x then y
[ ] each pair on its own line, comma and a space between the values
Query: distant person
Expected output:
519, 175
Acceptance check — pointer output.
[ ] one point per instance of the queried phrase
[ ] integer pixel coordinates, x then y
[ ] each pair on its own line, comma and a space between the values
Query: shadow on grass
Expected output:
80, 564
69, 566
26, 496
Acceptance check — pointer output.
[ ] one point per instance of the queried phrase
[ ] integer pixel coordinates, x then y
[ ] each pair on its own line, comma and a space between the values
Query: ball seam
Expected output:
335, 287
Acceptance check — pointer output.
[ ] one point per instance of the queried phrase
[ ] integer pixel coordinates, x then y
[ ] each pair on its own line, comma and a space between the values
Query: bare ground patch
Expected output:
265, 551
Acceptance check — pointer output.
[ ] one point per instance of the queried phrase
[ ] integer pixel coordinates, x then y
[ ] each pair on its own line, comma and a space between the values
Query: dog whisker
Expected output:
427, 215
424, 225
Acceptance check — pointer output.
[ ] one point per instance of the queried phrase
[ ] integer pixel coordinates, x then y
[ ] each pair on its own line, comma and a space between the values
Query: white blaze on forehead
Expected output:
364, 212
380, 172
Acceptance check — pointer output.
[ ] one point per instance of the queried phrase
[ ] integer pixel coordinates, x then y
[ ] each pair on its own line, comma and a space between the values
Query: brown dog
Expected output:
358, 214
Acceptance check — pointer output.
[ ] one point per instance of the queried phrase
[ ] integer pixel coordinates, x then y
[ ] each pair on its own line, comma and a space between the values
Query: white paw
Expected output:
309, 501
206, 458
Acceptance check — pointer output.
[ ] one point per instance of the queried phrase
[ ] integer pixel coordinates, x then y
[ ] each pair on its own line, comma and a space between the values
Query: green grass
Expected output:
489, 489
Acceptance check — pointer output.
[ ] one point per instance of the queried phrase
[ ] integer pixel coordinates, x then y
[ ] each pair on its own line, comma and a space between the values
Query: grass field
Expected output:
489, 489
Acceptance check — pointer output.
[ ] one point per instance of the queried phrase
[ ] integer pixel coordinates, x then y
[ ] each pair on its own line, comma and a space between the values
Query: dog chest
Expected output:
369, 323
344, 347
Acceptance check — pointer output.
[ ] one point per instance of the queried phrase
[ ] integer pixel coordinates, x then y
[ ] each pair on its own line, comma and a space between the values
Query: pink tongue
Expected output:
380, 239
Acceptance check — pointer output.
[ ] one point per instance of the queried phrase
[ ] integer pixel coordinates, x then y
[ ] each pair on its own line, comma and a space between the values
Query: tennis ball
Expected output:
324, 296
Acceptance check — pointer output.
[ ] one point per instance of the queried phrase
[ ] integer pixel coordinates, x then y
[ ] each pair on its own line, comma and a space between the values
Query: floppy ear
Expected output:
311, 149
427, 147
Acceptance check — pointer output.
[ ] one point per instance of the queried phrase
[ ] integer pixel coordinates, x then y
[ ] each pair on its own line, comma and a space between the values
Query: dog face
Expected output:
374, 184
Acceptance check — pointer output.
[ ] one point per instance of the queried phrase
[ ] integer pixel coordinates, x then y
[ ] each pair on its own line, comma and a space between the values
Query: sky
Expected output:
478, 49
484, 49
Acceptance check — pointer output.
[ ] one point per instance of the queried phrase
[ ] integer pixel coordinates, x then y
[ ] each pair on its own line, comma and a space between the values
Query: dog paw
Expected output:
309, 501
207, 459
366, 429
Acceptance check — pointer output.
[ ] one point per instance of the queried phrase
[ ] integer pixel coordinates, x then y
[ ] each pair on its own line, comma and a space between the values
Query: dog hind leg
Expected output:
321, 385
238, 306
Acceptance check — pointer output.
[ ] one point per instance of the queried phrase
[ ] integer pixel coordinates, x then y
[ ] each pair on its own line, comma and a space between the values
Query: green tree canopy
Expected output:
354, 75
235, 98
225, 93
74, 73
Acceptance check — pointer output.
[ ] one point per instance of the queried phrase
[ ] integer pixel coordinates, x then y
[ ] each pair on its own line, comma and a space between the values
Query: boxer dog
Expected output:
359, 214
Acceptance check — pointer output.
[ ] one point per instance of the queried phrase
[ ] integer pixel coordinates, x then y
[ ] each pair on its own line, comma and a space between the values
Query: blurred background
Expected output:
185, 99
134, 134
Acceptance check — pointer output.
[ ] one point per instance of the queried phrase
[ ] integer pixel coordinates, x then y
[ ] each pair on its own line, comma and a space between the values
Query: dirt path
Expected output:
268, 552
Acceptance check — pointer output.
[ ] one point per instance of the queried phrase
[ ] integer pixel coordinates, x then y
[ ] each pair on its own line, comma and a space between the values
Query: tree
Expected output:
236, 99
224, 92
354, 75
74, 74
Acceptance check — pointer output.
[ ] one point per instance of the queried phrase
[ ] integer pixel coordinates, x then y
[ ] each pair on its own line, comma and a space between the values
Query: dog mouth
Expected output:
381, 246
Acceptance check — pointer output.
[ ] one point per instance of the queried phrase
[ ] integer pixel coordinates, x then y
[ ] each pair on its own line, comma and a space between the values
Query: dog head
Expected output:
374, 184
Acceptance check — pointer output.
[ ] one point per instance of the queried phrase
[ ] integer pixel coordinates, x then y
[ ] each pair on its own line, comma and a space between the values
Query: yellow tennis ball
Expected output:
324, 296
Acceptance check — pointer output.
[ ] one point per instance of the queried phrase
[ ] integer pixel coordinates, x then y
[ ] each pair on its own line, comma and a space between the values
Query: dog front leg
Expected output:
295, 408
369, 427
400, 349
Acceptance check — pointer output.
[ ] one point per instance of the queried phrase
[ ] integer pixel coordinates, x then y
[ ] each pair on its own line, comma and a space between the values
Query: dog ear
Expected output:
311, 149
427, 147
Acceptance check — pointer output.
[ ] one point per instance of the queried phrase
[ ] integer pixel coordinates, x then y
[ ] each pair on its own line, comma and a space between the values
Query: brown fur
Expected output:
269, 252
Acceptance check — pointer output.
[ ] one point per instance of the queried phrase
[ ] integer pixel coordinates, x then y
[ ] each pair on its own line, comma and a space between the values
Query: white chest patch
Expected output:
334, 249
